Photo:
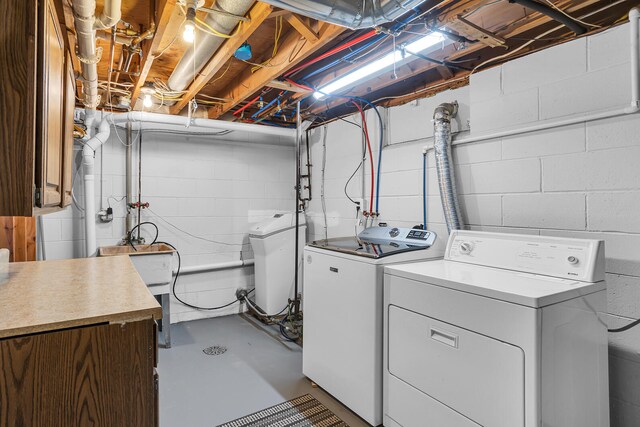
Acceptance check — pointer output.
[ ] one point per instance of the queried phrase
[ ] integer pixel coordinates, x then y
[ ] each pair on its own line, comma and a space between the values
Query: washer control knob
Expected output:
394, 232
573, 260
466, 247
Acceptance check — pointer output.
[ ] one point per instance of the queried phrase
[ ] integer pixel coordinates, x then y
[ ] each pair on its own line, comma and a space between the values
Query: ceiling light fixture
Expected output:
378, 65
189, 33
147, 91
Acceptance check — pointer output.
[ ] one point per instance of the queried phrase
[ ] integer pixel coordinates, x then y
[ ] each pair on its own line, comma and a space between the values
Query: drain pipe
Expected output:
444, 164
86, 24
88, 160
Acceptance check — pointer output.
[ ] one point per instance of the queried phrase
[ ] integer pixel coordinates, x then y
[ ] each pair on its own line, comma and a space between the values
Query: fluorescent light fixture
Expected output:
417, 46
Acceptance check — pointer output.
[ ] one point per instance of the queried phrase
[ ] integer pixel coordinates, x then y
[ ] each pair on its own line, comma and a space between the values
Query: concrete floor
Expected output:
257, 371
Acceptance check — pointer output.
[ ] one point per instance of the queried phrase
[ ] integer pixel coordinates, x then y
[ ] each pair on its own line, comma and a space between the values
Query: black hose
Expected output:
625, 328
553, 14
175, 280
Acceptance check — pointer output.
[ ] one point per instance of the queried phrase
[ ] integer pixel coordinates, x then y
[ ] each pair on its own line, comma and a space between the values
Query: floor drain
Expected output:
215, 350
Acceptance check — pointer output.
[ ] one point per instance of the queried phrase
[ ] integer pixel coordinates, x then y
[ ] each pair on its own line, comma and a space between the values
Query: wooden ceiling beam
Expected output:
248, 83
279, 12
163, 12
303, 27
258, 13
276, 84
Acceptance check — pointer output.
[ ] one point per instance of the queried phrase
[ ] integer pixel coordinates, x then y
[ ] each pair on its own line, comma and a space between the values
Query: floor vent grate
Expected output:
215, 350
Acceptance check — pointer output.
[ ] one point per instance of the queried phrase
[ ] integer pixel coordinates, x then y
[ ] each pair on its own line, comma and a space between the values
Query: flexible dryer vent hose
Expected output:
444, 164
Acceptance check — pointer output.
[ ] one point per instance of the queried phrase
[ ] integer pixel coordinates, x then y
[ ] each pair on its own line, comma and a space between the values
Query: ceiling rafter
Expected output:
163, 11
303, 26
257, 15
248, 83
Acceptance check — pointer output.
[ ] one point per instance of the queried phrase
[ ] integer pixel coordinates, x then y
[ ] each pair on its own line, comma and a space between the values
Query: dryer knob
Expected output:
573, 260
466, 247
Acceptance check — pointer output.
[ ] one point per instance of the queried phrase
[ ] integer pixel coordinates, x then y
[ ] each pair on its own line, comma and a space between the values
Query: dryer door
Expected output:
474, 375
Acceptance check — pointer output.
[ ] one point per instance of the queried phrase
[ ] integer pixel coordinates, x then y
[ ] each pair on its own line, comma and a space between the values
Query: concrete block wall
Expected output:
580, 181
204, 195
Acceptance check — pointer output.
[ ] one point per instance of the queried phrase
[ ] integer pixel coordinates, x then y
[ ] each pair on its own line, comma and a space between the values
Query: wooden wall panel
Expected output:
18, 234
100, 375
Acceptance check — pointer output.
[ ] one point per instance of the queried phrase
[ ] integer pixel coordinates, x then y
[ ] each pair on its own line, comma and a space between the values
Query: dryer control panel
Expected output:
578, 259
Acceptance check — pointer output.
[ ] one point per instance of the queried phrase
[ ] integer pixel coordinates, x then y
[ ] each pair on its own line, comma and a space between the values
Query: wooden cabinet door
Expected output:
67, 149
18, 31
49, 153
100, 375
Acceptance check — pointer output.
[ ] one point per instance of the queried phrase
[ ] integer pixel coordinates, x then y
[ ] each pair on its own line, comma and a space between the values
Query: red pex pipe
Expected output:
249, 104
337, 49
366, 135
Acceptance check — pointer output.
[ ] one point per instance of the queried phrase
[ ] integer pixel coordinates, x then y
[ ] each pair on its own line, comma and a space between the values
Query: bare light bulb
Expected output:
189, 34
147, 101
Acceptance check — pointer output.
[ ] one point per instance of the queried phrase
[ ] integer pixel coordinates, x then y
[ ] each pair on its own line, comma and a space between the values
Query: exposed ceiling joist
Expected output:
249, 83
258, 13
163, 12
276, 84
303, 26
475, 32
407, 72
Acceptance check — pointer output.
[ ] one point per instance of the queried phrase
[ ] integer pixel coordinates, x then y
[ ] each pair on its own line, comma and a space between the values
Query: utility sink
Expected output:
153, 262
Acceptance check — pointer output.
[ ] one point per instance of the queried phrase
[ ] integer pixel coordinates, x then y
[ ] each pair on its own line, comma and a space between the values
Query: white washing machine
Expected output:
505, 331
342, 301
273, 244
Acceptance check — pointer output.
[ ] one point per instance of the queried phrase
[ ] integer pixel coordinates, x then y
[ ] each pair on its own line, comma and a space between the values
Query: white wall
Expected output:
212, 189
579, 181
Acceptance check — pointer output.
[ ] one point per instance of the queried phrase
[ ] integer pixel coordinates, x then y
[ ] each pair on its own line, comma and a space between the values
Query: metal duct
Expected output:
86, 24
354, 14
444, 164
206, 44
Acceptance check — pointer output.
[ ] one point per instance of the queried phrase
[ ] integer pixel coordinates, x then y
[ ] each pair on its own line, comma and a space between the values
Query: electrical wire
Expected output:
276, 41
579, 21
360, 164
189, 234
204, 27
624, 328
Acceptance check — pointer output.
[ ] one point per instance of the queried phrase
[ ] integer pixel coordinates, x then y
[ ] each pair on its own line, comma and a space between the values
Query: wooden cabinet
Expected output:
67, 147
37, 95
101, 375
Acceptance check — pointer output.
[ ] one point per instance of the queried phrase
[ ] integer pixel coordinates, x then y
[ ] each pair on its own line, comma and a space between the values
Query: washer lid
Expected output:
526, 289
280, 221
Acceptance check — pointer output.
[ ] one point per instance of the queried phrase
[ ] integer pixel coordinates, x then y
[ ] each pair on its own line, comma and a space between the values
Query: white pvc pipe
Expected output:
634, 107
109, 16
164, 119
86, 23
88, 160
215, 267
